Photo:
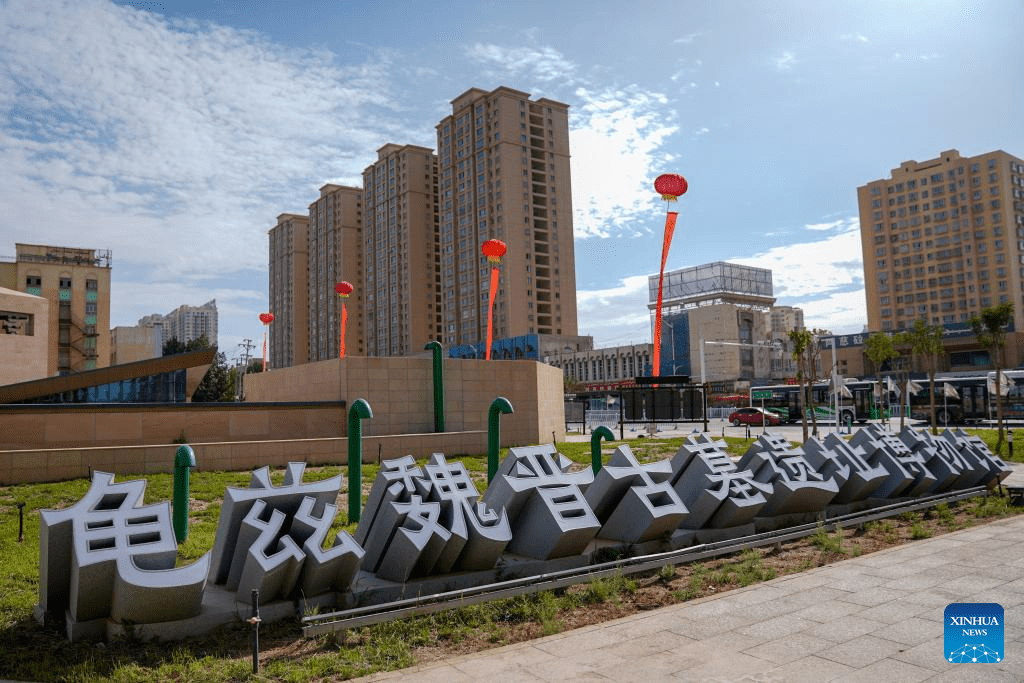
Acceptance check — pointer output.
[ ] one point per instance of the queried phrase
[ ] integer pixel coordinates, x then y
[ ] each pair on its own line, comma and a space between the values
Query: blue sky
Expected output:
174, 133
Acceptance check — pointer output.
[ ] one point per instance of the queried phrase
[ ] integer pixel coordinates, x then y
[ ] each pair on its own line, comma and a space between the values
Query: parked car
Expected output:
754, 416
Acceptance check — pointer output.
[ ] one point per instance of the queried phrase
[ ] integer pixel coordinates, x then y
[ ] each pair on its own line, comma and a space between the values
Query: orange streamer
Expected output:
670, 226
341, 338
490, 312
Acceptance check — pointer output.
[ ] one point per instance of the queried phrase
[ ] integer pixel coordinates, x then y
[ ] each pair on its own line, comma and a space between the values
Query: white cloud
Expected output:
616, 315
172, 143
832, 225
617, 138
687, 39
855, 37
540, 63
786, 62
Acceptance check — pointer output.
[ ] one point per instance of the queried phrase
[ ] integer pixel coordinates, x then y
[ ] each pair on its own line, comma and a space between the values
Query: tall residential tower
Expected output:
504, 173
400, 243
943, 239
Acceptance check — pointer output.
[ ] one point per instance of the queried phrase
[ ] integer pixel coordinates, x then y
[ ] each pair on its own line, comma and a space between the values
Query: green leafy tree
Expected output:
926, 341
217, 385
990, 330
879, 349
255, 365
172, 345
803, 343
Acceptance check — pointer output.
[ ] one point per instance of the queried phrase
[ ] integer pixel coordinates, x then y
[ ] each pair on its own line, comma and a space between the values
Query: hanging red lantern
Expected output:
493, 250
343, 289
266, 318
670, 186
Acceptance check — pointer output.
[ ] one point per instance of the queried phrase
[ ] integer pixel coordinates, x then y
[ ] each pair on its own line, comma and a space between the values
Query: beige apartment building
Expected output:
503, 173
76, 283
401, 284
943, 239
335, 254
288, 335
132, 343
24, 336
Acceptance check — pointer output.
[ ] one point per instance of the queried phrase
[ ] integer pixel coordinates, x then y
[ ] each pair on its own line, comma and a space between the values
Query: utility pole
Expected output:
247, 346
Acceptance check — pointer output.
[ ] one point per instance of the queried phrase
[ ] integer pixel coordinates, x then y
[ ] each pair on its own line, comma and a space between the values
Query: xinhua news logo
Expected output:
973, 633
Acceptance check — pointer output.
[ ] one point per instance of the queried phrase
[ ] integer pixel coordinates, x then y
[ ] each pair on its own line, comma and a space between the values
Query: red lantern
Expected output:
343, 288
266, 318
670, 186
493, 250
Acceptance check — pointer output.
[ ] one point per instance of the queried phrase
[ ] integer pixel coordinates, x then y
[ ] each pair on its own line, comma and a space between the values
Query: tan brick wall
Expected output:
400, 393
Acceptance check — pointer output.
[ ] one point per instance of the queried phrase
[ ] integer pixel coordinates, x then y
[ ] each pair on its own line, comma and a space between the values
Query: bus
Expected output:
786, 400
972, 402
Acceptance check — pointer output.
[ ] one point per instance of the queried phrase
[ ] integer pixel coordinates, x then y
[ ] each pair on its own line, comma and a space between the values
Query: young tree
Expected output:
926, 340
803, 348
990, 330
879, 349
216, 385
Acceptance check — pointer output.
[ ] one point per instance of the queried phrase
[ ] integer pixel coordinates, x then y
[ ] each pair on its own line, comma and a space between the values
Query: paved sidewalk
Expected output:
874, 618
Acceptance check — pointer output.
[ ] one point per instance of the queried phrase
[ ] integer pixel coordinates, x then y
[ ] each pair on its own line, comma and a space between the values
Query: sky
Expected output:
174, 133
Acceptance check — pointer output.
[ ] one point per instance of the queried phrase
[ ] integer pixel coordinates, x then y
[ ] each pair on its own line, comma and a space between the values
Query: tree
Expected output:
803, 344
255, 365
172, 345
990, 331
217, 385
926, 340
879, 349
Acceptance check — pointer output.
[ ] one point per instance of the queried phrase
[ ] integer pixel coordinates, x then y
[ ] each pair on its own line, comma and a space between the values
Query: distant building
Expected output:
129, 344
335, 254
289, 291
942, 239
410, 241
503, 172
24, 336
186, 323
785, 319
76, 283
716, 323
606, 368
402, 271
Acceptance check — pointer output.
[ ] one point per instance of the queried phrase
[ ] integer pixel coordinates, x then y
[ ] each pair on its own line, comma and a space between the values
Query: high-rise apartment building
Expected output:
334, 252
289, 289
943, 239
414, 255
401, 285
76, 282
503, 172
186, 323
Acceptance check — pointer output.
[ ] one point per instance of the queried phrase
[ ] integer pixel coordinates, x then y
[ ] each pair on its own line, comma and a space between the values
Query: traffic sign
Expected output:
760, 395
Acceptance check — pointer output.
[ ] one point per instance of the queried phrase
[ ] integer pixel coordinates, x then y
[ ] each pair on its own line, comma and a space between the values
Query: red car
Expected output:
753, 416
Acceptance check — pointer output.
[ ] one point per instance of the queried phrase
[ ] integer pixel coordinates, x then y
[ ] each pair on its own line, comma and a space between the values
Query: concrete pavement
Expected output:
878, 617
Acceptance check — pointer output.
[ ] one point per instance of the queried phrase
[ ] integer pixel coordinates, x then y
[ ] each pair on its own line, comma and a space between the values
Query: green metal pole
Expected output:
184, 460
360, 410
500, 405
436, 349
601, 432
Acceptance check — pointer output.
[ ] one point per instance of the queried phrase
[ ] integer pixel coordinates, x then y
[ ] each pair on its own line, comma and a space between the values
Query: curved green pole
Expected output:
500, 405
435, 347
601, 432
360, 410
184, 459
